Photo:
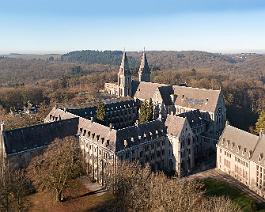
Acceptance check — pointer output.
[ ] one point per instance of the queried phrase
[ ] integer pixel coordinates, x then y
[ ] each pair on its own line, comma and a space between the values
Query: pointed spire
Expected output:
124, 67
144, 67
144, 70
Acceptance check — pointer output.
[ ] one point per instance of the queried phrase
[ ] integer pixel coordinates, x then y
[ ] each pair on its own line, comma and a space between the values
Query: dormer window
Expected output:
233, 145
249, 153
107, 144
102, 140
97, 137
84, 133
125, 143
260, 156
238, 148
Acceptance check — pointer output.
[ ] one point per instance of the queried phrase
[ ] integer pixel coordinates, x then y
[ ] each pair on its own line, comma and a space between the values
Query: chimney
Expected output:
92, 119
226, 123
2, 126
64, 109
137, 123
110, 126
172, 96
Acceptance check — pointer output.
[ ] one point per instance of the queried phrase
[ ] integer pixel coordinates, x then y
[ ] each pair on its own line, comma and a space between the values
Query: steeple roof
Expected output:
144, 67
124, 67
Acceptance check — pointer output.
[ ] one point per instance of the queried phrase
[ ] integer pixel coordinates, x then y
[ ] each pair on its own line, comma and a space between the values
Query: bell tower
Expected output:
124, 78
144, 70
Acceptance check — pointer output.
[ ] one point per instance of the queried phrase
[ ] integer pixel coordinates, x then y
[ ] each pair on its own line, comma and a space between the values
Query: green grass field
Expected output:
218, 188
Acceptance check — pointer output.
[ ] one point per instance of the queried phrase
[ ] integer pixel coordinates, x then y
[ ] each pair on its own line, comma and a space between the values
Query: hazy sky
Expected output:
64, 25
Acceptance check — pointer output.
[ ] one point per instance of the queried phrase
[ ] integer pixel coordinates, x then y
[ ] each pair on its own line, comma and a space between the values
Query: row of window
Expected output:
241, 162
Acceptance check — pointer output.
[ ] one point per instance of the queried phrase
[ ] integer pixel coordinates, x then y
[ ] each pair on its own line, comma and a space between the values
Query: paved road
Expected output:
216, 174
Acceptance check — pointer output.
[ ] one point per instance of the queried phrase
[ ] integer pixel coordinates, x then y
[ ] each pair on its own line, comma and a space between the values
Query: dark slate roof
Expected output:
194, 117
165, 92
83, 112
135, 85
111, 105
22, 139
138, 134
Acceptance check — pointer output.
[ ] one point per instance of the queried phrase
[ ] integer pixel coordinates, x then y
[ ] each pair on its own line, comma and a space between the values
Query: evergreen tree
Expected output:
260, 125
146, 112
101, 111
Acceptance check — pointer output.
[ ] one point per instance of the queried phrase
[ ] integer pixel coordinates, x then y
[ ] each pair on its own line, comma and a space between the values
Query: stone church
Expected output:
186, 125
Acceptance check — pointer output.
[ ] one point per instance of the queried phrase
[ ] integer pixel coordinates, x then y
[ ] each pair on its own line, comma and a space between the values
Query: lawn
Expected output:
218, 188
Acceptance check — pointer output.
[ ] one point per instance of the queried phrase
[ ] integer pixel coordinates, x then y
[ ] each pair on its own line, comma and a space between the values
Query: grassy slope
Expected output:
218, 188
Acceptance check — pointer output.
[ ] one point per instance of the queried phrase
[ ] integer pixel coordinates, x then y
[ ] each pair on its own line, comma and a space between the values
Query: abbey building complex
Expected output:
182, 133
187, 129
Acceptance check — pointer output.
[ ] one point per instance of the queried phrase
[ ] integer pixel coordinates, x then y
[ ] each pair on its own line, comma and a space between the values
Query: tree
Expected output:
101, 111
58, 164
260, 124
146, 111
136, 188
14, 186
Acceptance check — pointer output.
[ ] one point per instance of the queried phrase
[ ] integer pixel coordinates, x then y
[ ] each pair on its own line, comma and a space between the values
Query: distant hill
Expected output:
173, 60
34, 56
97, 57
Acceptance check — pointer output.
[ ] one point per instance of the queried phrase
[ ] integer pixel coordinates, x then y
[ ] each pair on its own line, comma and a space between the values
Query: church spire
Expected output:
144, 70
124, 67
124, 78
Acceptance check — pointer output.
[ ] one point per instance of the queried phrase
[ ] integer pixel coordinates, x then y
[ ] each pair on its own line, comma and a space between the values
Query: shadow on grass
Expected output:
214, 187
86, 194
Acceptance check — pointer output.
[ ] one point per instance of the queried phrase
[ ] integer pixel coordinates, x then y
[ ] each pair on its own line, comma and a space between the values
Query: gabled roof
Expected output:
259, 152
27, 138
146, 90
197, 98
238, 141
175, 124
103, 133
124, 67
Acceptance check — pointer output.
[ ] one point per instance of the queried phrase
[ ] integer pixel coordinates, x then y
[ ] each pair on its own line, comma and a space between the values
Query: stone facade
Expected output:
241, 155
183, 133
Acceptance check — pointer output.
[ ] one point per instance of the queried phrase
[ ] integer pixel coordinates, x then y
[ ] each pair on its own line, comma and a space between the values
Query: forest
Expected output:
77, 77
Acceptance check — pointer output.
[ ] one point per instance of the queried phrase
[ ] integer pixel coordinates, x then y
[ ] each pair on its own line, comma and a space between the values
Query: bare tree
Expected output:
14, 186
58, 164
136, 188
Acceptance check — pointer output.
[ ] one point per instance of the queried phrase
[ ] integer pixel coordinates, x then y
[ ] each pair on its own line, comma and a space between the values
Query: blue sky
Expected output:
41, 26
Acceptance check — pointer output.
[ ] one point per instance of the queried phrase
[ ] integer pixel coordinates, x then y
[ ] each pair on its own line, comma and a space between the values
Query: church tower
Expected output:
144, 70
124, 78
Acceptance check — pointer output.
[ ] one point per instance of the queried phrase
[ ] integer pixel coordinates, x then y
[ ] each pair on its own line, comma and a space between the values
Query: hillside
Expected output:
176, 60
